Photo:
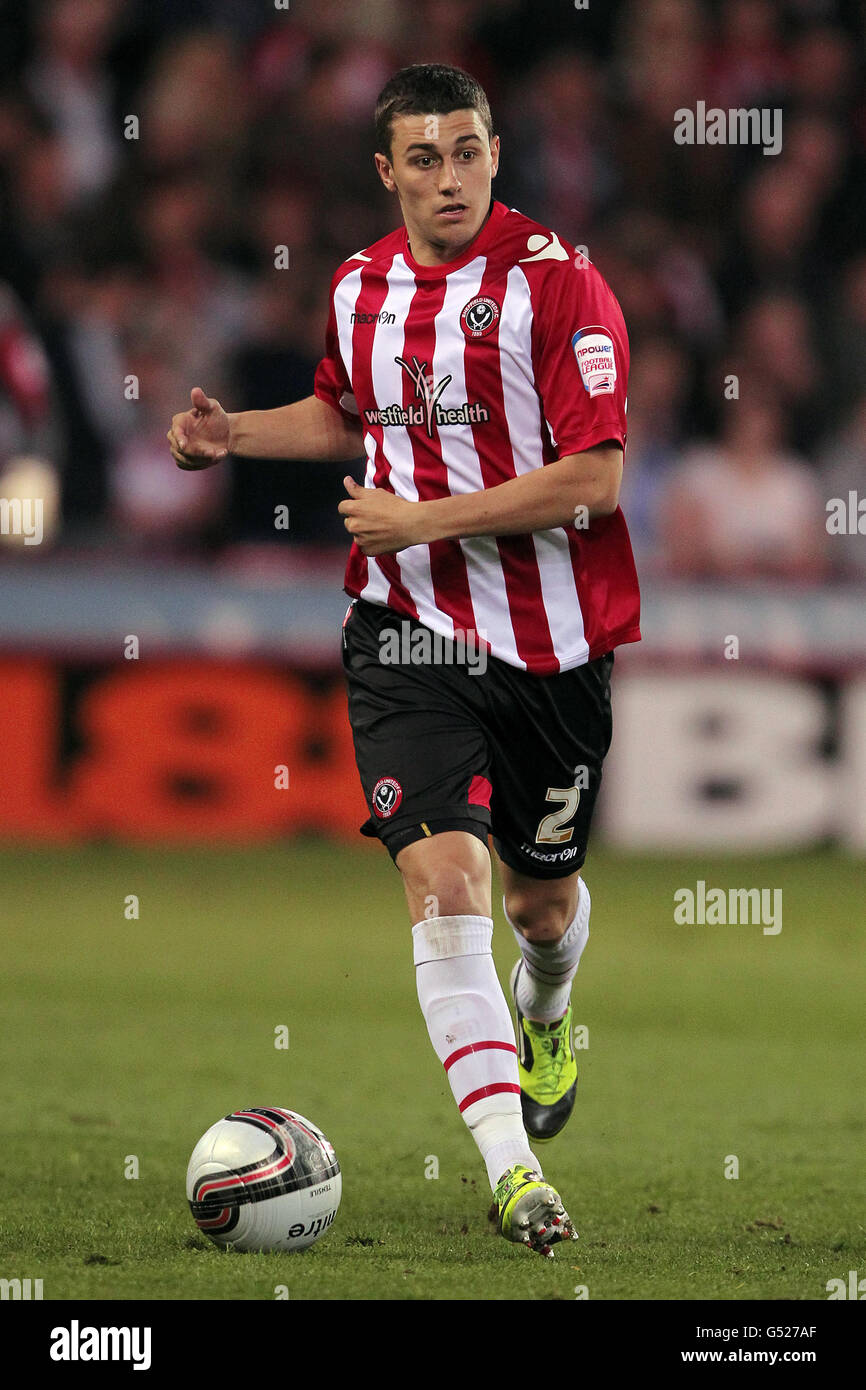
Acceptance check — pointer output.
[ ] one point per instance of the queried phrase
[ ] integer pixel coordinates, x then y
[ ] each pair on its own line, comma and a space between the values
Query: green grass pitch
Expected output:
129, 1038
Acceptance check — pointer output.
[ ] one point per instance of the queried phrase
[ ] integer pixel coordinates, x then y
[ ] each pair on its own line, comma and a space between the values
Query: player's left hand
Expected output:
380, 523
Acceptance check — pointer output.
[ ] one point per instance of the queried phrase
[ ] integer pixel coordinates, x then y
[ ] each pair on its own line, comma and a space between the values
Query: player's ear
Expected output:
385, 172
494, 156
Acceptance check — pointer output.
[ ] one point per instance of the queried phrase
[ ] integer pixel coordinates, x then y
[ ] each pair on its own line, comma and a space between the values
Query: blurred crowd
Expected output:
154, 153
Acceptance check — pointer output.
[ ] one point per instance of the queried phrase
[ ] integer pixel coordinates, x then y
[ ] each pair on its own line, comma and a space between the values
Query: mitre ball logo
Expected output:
387, 795
480, 316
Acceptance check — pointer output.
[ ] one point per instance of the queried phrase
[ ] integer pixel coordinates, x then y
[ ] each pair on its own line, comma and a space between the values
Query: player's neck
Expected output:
425, 252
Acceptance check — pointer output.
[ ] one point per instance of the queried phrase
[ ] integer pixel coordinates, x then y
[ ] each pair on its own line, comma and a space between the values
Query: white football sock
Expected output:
472, 1033
544, 985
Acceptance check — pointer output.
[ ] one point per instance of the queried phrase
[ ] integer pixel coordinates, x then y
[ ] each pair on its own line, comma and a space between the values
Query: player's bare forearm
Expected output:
307, 429
555, 495
536, 501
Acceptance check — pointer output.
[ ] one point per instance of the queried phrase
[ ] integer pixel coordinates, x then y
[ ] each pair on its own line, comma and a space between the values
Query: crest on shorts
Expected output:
480, 316
387, 795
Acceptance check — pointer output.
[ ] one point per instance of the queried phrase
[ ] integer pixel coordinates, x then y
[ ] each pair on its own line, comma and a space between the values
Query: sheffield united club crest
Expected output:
480, 316
387, 795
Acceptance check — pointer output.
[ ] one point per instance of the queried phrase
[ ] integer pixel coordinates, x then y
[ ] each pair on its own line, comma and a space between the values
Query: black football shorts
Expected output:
441, 745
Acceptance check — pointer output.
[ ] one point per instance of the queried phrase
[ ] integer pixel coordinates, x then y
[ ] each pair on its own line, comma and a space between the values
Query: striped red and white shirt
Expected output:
465, 375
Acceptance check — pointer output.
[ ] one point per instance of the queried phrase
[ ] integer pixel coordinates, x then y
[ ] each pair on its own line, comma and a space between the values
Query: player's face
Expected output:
440, 169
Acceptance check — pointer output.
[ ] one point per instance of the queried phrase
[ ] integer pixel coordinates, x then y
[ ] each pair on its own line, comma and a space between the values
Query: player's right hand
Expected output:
199, 437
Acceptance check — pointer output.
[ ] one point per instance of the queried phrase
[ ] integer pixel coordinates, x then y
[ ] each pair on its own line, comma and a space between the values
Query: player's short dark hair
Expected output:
428, 89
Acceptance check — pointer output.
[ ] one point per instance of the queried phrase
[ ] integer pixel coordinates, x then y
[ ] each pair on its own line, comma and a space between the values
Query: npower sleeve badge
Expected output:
593, 348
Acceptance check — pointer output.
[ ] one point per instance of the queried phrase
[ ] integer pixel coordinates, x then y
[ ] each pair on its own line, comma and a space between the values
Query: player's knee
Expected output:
446, 880
543, 913
447, 890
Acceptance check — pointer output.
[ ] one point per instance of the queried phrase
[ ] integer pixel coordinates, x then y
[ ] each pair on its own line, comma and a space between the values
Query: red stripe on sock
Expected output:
487, 1091
477, 1047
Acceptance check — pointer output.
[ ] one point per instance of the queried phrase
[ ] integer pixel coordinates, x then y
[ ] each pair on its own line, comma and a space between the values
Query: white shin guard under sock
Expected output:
544, 985
471, 1030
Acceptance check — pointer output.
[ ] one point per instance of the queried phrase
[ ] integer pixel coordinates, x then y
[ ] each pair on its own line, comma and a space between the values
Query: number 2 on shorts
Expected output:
551, 829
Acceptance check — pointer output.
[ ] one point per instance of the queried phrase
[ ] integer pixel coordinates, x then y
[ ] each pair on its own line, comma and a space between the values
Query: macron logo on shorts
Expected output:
593, 348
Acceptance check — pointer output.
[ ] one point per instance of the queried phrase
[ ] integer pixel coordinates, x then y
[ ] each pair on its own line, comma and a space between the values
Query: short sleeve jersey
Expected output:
463, 376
